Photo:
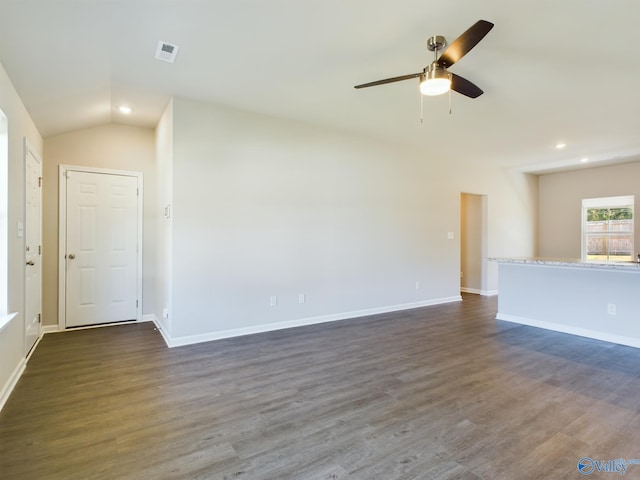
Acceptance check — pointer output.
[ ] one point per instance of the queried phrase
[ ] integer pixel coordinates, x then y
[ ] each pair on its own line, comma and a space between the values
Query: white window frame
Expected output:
4, 225
5, 315
606, 202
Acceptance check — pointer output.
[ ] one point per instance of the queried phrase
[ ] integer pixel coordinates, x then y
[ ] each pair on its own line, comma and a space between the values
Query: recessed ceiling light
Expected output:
125, 110
560, 146
584, 160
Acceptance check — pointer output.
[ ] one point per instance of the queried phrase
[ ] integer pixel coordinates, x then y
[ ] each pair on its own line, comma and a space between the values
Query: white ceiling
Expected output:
552, 71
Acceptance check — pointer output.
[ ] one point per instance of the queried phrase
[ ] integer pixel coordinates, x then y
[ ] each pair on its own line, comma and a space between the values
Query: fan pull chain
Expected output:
449, 101
421, 107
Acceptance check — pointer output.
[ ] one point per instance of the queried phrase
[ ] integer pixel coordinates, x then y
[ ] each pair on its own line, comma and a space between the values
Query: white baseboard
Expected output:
49, 329
581, 332
153, 318
165, 335
484, 293
17, 373
11, 382
237, 332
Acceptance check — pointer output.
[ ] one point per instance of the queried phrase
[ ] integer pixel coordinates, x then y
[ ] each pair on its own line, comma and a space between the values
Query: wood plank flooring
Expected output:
443, 392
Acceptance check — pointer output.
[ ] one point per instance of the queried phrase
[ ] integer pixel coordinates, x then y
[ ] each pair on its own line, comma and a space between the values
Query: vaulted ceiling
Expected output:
552, 71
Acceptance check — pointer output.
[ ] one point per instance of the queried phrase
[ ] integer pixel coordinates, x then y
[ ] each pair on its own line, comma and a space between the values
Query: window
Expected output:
4, 198
607, 228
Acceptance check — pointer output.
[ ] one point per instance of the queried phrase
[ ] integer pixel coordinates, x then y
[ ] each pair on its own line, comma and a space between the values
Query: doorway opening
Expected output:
473, 244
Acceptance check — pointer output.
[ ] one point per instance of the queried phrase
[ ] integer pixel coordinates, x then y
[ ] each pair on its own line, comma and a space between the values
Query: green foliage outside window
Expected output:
604, 214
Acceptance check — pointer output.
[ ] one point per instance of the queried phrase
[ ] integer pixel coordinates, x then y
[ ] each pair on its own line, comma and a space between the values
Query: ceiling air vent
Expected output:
166, 52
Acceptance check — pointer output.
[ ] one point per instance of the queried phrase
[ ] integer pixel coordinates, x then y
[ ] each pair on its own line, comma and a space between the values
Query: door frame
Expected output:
62, 237
29, 150
482, 247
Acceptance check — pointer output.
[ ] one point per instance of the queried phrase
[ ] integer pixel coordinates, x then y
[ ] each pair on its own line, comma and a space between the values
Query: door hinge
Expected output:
39, 249
136, 303
39, 318
39, 181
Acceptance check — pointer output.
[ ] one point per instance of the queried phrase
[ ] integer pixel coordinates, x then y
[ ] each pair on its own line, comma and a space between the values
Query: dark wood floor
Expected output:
443, 392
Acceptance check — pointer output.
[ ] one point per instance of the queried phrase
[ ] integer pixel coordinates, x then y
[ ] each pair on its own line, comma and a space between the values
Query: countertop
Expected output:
570, 262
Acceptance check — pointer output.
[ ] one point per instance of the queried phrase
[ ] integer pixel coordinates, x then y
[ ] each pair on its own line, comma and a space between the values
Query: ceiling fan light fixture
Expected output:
434, 78
435, 81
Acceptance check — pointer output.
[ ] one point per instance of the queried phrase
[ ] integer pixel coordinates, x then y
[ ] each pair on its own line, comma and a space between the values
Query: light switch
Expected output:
450, 235
20, 230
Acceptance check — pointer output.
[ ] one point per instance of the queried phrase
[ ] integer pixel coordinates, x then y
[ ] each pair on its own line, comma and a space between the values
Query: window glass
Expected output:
607, 228
4, 197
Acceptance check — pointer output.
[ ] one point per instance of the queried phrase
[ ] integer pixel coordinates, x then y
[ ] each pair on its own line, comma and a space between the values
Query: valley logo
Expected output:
587, 465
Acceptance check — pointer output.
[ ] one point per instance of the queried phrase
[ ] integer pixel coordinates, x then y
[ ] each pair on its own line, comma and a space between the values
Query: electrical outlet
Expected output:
611, 308
273, 300
418, 285
302, 298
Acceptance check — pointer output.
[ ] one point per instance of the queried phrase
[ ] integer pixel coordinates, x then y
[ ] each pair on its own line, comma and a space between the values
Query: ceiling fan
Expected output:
435, 79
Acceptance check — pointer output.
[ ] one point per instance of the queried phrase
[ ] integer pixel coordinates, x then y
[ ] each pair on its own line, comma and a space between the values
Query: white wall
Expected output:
164, 172
512, 210
561, 197
20, 126
266, 207
115, 147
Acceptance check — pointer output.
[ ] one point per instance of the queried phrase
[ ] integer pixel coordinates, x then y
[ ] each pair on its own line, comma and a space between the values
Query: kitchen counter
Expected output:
593, 299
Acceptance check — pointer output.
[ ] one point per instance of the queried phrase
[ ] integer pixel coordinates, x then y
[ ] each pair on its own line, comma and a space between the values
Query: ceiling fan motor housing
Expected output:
433, 70
435, 43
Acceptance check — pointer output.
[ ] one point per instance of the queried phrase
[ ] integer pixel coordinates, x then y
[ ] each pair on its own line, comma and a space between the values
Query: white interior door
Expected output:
33, 248
101, 248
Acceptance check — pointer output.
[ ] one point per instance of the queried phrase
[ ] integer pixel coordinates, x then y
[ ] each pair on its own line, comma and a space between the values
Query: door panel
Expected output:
102, 248
33, 236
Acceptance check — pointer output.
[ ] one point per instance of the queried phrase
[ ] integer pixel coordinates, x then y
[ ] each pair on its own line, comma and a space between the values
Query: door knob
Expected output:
30, 263
71, 256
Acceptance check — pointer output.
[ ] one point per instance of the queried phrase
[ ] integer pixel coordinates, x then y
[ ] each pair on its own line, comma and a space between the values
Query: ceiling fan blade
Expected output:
464, 43
464, 86
389, 80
